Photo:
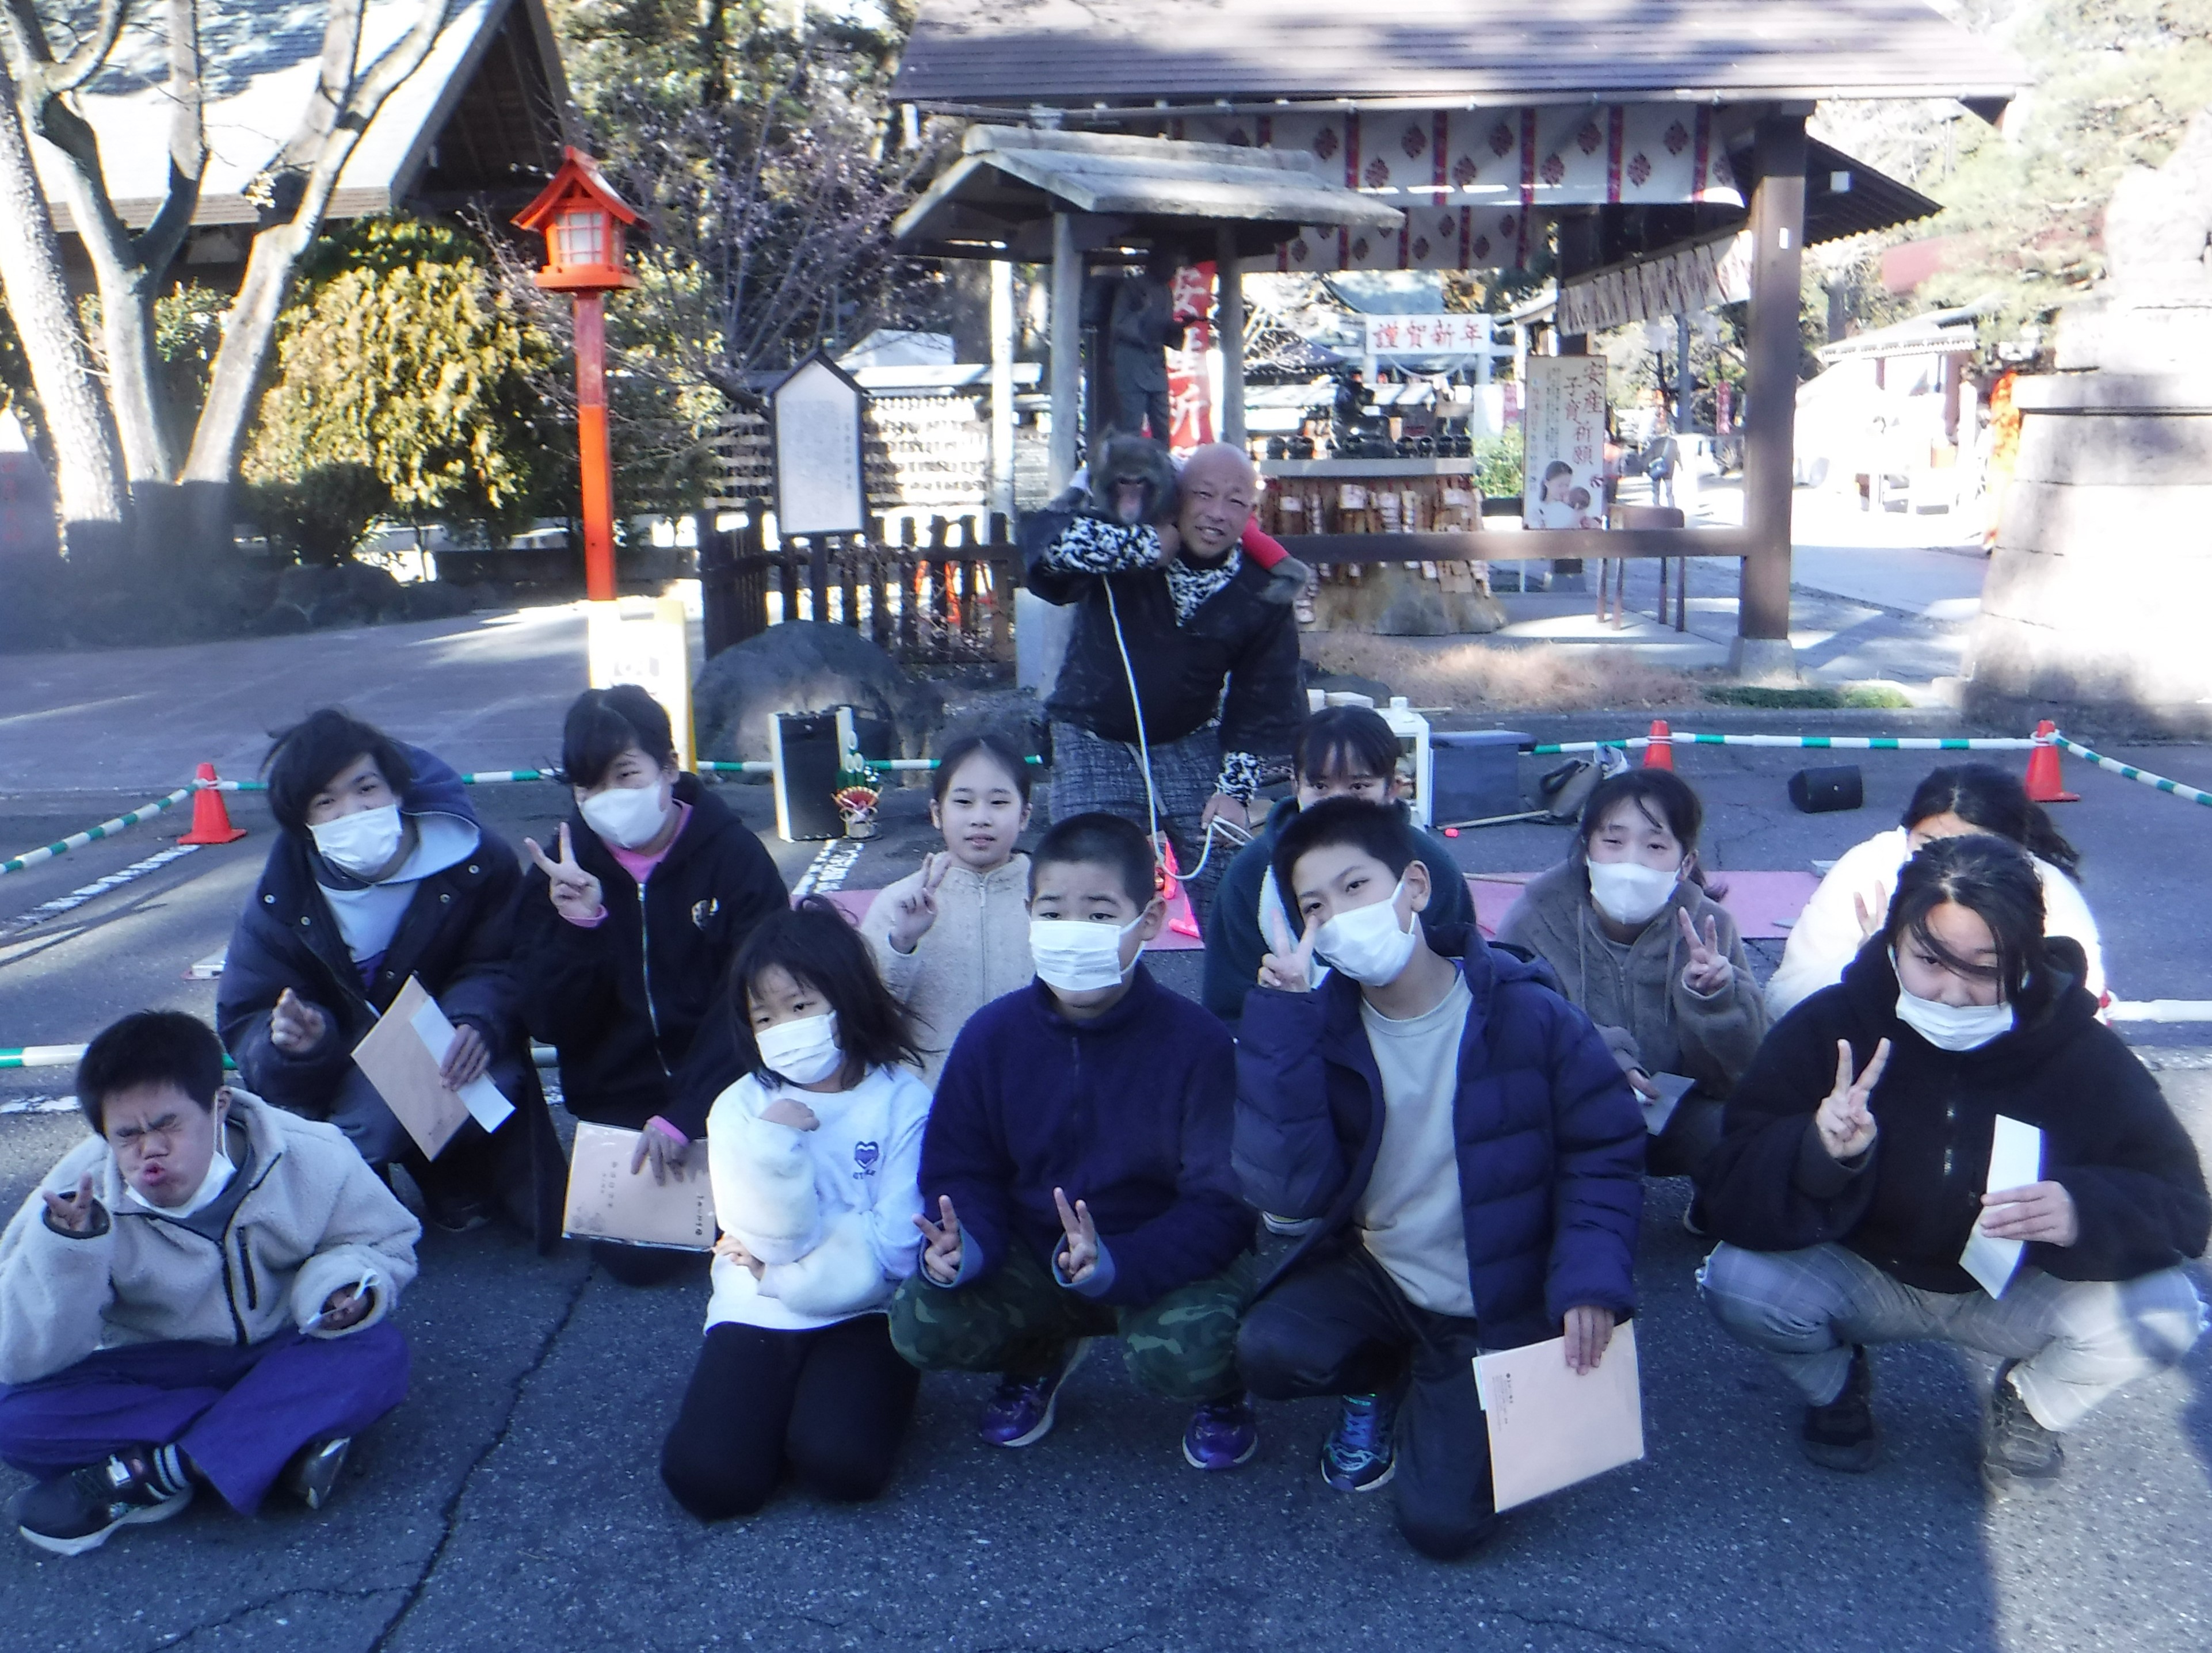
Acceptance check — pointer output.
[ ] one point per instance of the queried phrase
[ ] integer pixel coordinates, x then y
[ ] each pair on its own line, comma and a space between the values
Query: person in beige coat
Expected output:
1625, 924
954, 935
198, 1294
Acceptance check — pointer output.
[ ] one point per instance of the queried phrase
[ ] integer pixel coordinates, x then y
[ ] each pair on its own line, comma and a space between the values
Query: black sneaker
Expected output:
76, 1512
1843, 1434
312, 1477
2014, 1446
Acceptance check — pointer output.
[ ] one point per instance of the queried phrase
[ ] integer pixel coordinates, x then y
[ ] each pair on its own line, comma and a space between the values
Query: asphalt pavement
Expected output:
512, 1502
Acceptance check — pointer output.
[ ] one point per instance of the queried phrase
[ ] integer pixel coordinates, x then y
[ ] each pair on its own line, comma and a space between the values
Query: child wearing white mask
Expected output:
627, 928
380, 872
1637, 940
1854, 1192
1076, 1170
813, 1155
1459, 1144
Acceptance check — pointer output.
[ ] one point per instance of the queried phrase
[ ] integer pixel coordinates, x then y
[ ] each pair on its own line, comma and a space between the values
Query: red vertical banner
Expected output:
1190, 390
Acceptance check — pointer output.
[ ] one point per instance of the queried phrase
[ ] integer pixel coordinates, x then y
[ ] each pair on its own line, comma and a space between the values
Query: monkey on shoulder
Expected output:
1133, 481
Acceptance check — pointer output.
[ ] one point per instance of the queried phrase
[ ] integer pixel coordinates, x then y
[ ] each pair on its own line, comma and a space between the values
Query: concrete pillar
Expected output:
1040, 630
1230, 313
1762, 649
1002, 386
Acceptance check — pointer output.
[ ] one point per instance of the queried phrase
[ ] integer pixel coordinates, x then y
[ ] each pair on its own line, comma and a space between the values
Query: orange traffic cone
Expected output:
1659, 754
2044, 784
210, 819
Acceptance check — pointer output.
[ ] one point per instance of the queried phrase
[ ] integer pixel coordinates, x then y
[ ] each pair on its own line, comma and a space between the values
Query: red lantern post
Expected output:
583, 220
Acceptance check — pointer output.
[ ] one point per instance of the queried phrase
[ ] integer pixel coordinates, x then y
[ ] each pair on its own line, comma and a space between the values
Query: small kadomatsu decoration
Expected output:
860, 789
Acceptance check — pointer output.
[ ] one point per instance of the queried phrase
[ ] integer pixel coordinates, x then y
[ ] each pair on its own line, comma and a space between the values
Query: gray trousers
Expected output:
2079, 1342
1089, 772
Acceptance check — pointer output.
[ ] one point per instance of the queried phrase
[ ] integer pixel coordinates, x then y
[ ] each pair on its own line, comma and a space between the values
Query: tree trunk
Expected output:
89, 460
248, 333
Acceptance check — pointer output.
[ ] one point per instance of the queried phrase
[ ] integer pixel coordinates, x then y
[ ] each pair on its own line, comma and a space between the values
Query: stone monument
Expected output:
2098, 599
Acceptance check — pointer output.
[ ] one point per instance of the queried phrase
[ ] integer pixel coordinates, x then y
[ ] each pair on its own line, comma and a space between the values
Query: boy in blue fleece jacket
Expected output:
1076, 1163
1466, 1153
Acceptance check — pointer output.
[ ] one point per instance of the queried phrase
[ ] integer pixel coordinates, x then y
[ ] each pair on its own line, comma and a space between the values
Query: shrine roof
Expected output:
1133, 53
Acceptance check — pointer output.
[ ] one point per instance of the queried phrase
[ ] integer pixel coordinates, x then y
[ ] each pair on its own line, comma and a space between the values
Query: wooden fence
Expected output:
933, 590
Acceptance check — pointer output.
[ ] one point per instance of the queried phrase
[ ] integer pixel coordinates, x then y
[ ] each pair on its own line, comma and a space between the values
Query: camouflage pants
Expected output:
1181, 1346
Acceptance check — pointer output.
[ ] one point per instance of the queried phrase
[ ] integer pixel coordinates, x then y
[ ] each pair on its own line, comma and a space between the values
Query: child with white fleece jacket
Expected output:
813, 1154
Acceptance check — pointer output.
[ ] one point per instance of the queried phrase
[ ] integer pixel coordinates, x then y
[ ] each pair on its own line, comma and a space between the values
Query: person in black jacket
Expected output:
380, 872
1853, 1174
628, 931
1214, 658
1342, 751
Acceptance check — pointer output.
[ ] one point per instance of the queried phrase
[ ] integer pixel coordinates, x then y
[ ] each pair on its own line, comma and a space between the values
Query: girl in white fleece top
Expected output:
1853, 898
814, 1155
955, 935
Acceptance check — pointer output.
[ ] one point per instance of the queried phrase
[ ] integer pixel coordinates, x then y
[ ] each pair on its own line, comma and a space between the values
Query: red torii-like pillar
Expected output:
583, 220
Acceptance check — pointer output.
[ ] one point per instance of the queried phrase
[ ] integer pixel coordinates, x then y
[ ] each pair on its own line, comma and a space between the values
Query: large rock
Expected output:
805, 666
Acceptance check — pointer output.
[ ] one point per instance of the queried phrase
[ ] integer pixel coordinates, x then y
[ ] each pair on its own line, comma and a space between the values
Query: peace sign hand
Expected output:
1846, 1128
577, 894
1872, 916
915, 909
941, 1256
1079, 1258
1708, 971
76, 1212
1287, 966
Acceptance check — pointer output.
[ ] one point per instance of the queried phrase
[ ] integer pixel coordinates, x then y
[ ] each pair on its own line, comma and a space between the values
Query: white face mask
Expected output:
219, 1170
1951, 1027
1367, 945
631, 817
1628, 893
361, 844
805, 1051
1077, 957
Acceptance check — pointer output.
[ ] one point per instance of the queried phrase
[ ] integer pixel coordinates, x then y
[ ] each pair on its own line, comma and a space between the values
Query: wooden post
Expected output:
1002, 385
592, 447
1231, 311
1067, 349
1777, 221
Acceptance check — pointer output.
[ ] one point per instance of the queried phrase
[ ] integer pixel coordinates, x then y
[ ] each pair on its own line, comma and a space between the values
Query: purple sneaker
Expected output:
1020, 1414
1221, 1433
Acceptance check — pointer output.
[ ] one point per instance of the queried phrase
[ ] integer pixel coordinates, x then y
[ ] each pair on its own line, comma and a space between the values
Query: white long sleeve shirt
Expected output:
866, 1157
1826, 937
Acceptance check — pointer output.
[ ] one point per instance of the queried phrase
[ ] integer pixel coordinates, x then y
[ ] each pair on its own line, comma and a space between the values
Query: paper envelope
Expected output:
606, 1201
2015, 1161
405, 1074
1550, 1426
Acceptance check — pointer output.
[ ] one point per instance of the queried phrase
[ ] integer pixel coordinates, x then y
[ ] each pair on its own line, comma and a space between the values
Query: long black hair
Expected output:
1993, 879
1665, 799
814, 943
1984, 796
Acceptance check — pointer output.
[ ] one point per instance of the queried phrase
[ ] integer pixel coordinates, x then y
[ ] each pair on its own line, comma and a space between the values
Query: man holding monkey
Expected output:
197, 1295
1184, 657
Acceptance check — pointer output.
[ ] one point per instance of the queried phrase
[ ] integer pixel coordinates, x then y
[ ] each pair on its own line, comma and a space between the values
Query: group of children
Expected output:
976, 1133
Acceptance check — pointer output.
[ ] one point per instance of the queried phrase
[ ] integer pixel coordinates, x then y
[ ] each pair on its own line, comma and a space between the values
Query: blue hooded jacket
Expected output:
1550, 1139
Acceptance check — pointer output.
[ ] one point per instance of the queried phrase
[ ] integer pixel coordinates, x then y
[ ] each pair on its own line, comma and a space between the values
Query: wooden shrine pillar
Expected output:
1066, 349
1230, 310
1762, 648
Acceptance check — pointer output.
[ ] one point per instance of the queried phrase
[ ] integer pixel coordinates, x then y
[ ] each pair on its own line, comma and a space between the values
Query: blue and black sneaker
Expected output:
1358, 1455
1221, 1433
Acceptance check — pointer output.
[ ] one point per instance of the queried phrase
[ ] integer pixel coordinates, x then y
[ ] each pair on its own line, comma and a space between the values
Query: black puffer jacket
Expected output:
457, 935
1236, 640
622, 1002
1909, 1203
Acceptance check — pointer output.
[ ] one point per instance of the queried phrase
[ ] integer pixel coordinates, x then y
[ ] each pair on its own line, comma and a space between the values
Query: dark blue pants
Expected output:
238, 1413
